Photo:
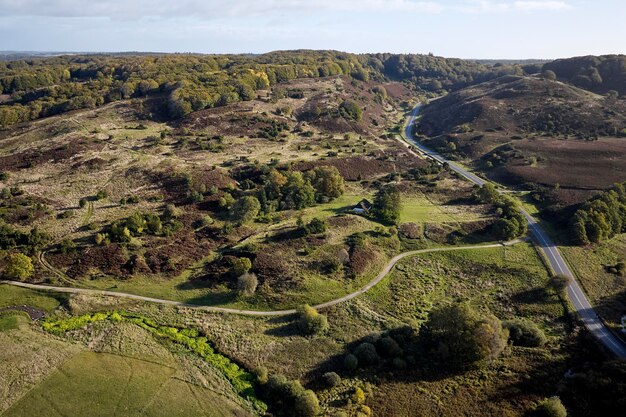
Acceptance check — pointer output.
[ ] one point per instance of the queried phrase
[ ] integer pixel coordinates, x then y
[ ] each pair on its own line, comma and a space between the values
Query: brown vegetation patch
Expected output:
575, 164
274, 269
352, 168
361, 259
57, 154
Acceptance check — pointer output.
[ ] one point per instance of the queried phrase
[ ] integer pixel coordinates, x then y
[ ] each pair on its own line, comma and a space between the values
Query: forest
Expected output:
40, 87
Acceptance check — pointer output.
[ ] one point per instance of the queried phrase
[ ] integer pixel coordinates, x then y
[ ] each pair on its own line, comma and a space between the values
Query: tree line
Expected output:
42, 87
601, 217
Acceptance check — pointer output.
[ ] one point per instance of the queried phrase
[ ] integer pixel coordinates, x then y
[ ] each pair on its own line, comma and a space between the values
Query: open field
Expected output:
100, 384
606, 290
11, 296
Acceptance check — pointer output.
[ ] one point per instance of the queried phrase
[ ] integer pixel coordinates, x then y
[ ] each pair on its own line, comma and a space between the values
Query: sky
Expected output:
495, 29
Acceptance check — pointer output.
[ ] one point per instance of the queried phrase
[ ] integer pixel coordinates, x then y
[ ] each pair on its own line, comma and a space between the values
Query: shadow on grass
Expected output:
286, 326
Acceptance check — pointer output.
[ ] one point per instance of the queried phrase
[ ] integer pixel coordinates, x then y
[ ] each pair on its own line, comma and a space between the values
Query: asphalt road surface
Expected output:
574, 292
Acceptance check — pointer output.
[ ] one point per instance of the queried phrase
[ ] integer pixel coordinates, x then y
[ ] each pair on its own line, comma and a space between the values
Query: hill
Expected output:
600, 74
533, 130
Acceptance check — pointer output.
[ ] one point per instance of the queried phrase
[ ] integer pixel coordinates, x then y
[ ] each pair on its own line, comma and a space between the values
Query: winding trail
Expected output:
227, 310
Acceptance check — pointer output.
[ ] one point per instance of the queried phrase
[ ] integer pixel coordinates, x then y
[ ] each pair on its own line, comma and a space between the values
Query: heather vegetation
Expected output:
279, 183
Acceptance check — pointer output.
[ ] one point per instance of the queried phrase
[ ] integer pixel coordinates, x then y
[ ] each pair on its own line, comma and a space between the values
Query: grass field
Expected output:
100, 384
10, 295
607, 291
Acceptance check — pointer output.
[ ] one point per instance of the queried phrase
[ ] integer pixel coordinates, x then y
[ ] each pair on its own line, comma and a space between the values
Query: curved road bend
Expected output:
331, 303
574, 292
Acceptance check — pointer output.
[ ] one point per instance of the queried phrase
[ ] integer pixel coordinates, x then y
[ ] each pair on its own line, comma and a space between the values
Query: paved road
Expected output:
360, 291
574, 292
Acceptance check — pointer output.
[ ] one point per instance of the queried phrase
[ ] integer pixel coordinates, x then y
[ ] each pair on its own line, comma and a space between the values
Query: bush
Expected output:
389, 347
307, 404
560, 283
525, 333
247, 283
311, 322
66, 214
331, 379
366, 354
101, 195
350, 362
245, 209
550, 407
350, 110
172, 212
19, 266
315, 227
461, 336
240, 266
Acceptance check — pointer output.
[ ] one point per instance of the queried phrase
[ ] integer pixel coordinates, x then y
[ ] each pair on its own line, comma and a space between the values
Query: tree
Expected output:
297, 192
311, 321
350, 110
328, 183
461, 336
548, 75
550, 407
387, 205
19, 266
245, 209
560, 283
240, 266
366, 354
247, 283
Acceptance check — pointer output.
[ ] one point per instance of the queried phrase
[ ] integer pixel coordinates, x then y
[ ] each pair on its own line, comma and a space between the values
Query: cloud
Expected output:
203, 8
489, 6
215, 9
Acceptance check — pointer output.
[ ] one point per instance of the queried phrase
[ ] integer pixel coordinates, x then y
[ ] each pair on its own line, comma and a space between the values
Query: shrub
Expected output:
366, 354
350, 362
559, 283
240, 266
315, 226
101, 195
19, 266
172, 212
525, 333
66, 214
247, 283
307, 404
358, 396
350, 110
550, 407
461, 336
245, 209
261, 374
82, 203
67, 246
389, 347
311, 322
331, 379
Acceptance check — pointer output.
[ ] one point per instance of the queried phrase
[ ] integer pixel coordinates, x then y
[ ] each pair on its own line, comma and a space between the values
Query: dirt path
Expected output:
327, 304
